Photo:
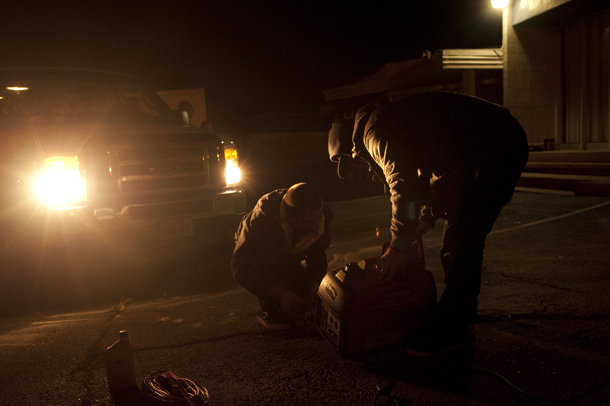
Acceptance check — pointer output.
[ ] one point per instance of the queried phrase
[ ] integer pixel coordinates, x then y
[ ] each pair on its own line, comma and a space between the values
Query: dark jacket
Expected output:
449, 135
261, 252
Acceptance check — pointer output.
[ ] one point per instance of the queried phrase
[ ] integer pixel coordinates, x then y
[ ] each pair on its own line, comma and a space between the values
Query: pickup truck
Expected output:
99, 157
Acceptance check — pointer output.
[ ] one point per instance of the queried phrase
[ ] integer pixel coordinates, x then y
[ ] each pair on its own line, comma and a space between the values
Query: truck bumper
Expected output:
202, 222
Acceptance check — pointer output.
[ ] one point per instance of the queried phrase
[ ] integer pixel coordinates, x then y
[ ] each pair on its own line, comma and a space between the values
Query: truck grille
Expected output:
162, 168
170, 209
156, 175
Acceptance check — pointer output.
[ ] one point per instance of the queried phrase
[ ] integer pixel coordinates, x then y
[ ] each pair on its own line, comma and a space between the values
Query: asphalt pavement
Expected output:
544, 327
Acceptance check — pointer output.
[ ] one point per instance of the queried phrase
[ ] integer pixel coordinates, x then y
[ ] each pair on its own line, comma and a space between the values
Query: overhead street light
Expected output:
499, 3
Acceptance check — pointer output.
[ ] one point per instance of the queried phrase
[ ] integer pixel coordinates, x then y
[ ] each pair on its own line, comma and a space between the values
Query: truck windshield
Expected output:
40, 97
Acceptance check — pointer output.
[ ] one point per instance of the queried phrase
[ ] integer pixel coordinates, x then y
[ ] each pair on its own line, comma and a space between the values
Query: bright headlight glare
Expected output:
233, 175
232, 172
59, 182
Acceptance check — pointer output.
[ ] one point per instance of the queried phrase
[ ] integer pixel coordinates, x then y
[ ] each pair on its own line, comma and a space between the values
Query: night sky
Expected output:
249, 44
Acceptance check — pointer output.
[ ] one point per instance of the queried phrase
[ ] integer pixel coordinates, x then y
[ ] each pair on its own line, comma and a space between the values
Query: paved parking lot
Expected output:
544, 326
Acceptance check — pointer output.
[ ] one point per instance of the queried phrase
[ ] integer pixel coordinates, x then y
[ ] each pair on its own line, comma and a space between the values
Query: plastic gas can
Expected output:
120, 364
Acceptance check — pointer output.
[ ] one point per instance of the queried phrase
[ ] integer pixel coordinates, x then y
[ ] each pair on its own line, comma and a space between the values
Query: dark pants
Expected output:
465, 234
462, 259
289, 275
286, 272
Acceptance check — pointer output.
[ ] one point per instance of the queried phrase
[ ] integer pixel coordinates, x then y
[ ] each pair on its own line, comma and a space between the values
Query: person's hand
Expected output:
291, 302
390, 263
422, 228
305, 242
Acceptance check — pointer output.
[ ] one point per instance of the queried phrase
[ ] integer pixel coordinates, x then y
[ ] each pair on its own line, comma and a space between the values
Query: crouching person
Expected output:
280, 253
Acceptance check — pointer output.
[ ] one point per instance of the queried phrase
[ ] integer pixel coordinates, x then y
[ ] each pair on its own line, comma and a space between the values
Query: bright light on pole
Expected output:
499, 3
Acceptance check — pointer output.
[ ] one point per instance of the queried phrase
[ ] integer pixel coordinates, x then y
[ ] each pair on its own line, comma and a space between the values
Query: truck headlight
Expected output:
232, 172
59, 182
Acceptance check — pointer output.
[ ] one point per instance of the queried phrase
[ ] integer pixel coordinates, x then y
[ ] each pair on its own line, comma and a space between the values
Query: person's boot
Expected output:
273, 320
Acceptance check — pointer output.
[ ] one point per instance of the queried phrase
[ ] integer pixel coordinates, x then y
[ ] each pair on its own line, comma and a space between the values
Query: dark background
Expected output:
248, 45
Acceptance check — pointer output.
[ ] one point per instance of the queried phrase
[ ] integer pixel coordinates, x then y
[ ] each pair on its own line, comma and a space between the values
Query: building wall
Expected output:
587, 82
532, 79
557, 72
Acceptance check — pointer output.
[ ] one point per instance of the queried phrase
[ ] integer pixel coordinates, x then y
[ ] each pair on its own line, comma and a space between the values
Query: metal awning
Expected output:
486, 58
443, 68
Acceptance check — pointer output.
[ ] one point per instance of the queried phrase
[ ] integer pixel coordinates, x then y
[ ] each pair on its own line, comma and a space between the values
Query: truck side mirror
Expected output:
182, 118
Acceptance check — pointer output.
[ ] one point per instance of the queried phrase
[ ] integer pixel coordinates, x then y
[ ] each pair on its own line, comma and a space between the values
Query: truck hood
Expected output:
59, 139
